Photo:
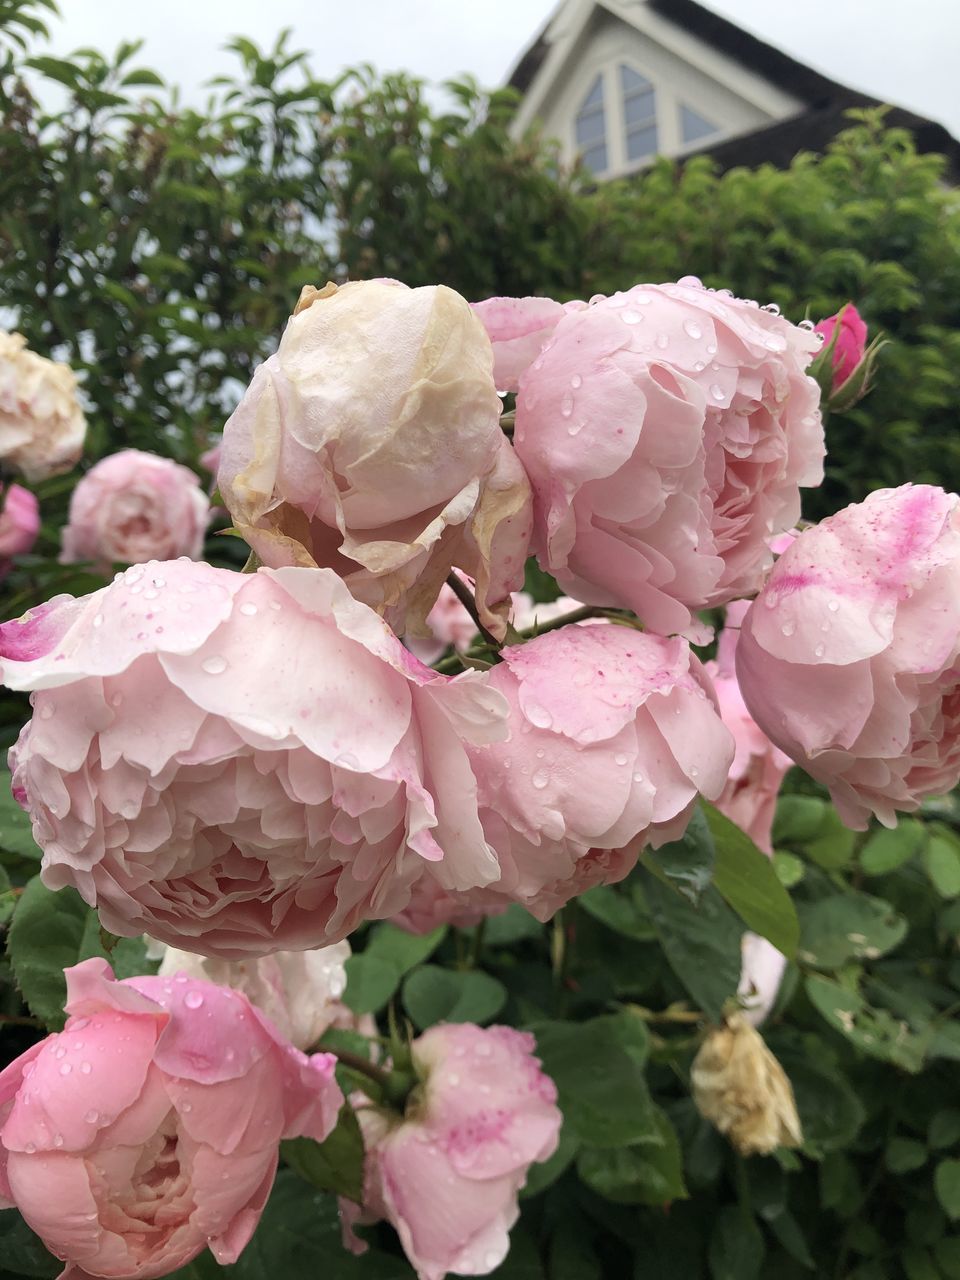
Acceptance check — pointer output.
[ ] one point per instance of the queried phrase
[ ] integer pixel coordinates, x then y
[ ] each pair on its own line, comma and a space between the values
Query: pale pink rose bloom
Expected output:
370, 443
148, 1128
210, 460
851, 341
449, 623
19, 525
299, 991
431, 906
849, 657
448, 1175
241, 764
518, 329
613, 735
133, 507
42, 426
666, 432
750, 796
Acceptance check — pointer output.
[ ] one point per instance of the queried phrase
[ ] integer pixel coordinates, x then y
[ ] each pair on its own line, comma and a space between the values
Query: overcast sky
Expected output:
906, 53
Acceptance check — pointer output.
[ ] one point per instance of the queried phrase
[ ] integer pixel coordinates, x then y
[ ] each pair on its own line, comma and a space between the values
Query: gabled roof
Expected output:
777, 143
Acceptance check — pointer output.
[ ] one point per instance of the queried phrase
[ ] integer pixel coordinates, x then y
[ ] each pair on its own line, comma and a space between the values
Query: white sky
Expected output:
906, 53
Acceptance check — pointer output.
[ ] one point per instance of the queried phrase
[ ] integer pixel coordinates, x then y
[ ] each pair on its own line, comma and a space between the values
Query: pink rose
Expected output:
299, 991
613, 734
750, 796
448, 1175
666, 432
370, 443
42, 426
518, 329
431, 906
149, 1127
449, 623
133, 507
242, 763
849, 657
19, 525
851, 341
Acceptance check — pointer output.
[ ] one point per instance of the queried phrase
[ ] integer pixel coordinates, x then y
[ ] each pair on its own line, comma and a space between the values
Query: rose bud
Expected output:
844, 342
240, 764
149, 1127
666, 432
447, 1175
42, 427
19, 525
133, 507
848, 658
370, 443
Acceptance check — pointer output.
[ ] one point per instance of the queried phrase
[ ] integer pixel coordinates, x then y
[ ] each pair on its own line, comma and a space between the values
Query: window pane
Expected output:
639, 108
595, 158
694, 126
642, 142
590, 127
595, 97
630, 80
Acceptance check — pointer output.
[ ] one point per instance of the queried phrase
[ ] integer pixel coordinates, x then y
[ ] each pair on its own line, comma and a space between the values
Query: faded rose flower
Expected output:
148, 1129
19, 525
242, 763
666, 432
370, 443
613, 735
42, 427
849, 657
447, 1175
132, 507
299, 991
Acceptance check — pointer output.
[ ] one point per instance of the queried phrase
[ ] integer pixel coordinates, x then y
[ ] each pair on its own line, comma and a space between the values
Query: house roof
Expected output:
826, 100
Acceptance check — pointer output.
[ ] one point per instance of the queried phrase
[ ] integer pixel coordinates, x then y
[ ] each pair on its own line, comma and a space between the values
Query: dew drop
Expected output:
620, 758
116, 699
770, 601
833, 605
693, 329
566, 404
92, 1117
60, 1052
642, 299
193, 1000
65, 1069
717, 391
58, 1139
631, 317
663, 341
46, 711
576, 382
539, 716
214, 665
694, 771
151, 593
30, 1148
85, 1068
98, 620
574, 428
788, 628
820, 650
540, 779
248, 610
638, 777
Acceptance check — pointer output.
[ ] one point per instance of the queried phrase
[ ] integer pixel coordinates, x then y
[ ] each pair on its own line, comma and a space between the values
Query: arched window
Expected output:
592, 129
639, 114
694, 126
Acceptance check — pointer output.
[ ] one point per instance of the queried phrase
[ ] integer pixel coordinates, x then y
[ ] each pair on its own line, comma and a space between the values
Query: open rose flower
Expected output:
370, 443
42, 427
238, 763
19, 525
133, 507
149, 1127
666, 432
299, 991
613, 735
447, 1175
849, 659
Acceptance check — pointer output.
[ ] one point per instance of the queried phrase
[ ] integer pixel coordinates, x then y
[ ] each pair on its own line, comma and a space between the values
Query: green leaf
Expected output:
903, 1155
514, 925
941, 858
336, 1164
946, 1182
432, 994
617, 907
747, 880
51, 932
833, 847
545, 1174
874, 1031
848, 926
597, 1067
21, 1251
889, 849
16, 832
944, 1129
831, 1114
798, 819
648, 1172
370, 983
789, 868
401, 949
688, 862
947, 1254
736, 1250
702, 943
142, 76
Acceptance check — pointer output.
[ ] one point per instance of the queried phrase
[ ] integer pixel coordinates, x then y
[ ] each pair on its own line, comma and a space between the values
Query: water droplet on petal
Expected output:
247, 609
788, 628
85, 1068
820, 650
566, 404
539, 716
833, 605
214, 665
576, 382
620, 758
693, 329
540, 779
631, 317
193, 1000
92, 1117
717, 391
65, 1069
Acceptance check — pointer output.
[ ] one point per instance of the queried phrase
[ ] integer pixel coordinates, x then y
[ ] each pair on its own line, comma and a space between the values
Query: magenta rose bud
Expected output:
19, 525
613, 735
133, 507
148, 1129
370, 443
851, 341
749, 797
848, 658
448, 1175
666, 432
238, 764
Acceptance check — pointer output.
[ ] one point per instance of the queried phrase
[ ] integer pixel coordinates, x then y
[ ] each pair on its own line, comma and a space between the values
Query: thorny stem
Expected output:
394, 1085
448, 665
